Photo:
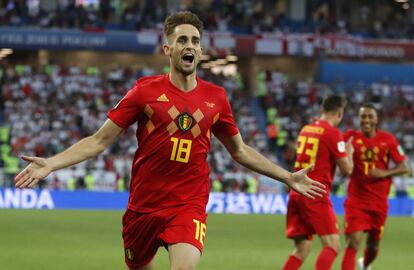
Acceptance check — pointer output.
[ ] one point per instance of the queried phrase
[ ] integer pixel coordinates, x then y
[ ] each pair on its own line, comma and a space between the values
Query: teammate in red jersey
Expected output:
366, 205
319, 143
176, 114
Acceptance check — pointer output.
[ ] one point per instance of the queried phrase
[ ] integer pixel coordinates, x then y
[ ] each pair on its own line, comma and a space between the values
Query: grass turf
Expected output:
37, 240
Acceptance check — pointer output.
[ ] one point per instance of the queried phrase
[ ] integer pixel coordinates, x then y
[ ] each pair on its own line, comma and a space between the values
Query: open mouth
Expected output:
188, 58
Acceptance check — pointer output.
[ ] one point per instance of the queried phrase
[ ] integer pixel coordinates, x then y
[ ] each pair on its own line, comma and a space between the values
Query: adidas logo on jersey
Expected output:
163, 98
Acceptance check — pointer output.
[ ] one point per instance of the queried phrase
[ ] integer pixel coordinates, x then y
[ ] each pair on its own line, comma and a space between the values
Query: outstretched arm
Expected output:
250, 158
86, 148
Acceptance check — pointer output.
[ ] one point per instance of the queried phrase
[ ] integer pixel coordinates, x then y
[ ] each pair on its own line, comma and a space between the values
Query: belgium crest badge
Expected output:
185, 121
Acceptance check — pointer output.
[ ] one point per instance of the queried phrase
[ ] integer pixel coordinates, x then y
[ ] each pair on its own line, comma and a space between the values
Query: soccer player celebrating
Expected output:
366, 205
319, 143
176, 114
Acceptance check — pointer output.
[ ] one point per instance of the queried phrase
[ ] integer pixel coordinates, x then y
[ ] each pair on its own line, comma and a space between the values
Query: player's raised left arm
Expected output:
250, 158
396, 153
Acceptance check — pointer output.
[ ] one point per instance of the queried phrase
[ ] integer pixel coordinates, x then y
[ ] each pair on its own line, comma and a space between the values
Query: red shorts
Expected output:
144, 233
306, 217
357, 219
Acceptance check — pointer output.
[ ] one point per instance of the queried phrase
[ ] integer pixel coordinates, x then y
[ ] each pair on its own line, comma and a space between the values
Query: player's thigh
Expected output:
353, 239
183, 256
377, 228
188, 226
356, 219
297, 225
303, 246
141, 238
320, 214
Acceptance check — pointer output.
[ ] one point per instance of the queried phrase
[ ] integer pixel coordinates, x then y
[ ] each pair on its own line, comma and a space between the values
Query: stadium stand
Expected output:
239, 17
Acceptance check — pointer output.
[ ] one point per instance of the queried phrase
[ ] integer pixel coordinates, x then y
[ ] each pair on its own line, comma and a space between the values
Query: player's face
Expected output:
184, 49
368, 120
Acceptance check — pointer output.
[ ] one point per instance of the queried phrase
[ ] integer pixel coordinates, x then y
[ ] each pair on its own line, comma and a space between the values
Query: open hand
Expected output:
33, 173
300, 182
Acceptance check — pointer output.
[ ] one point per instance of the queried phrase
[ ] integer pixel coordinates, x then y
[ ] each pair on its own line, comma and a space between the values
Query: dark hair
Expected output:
182, 17
332, 103
369, 105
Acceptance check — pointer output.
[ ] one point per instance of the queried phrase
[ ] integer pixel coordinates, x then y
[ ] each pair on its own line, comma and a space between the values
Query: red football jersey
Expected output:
365, 191
174, 127
321, 144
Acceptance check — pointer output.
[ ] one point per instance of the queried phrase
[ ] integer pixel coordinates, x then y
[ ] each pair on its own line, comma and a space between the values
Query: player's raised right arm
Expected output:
84, 149
346, 164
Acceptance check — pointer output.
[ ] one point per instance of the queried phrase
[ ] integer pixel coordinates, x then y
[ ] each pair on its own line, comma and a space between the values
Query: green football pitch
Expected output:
35, 240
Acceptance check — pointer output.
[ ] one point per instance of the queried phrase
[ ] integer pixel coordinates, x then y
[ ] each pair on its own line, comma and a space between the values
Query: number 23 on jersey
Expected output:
306, 146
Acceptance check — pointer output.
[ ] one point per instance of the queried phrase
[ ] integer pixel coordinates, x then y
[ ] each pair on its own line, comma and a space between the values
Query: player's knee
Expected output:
354, 243
331, 241
335, 245
300, 254
302, 251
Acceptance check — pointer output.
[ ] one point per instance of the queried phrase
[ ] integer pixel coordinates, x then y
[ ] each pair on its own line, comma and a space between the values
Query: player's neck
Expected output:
328, 118
182, 82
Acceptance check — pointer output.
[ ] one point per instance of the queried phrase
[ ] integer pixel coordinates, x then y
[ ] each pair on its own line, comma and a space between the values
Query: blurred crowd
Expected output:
240, 17
47, 110
84, 14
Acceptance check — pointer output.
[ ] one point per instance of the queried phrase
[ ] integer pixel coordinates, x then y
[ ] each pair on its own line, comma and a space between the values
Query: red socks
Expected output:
324, 262
325, 259
369, 256
348, 261
292, 263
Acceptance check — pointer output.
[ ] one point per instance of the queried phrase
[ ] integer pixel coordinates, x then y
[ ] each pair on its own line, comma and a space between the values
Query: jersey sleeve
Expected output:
396, 151
225, 124
126, 112
337, 144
